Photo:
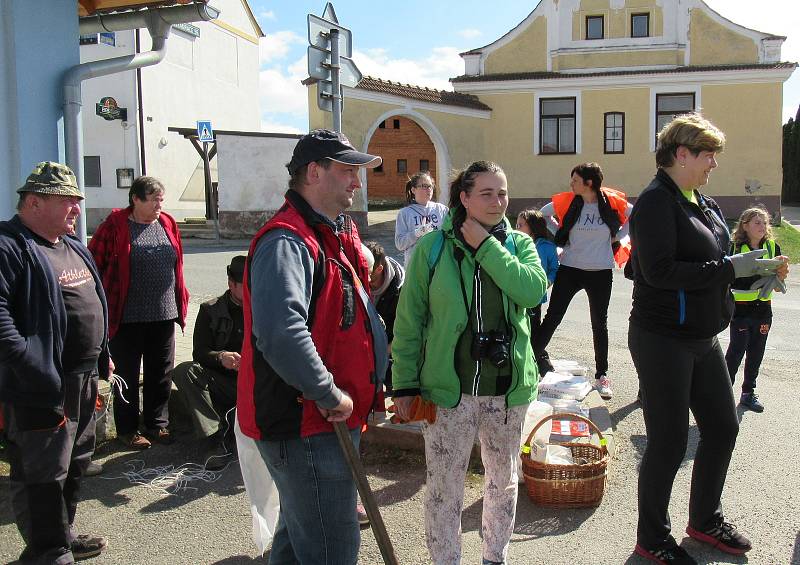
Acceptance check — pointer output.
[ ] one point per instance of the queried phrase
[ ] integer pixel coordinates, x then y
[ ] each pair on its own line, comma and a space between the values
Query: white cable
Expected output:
115, 380
168, 479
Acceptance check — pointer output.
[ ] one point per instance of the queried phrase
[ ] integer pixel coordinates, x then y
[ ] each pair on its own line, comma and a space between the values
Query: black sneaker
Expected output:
750, 401
86, 546
670, 555
544, 365
723, 536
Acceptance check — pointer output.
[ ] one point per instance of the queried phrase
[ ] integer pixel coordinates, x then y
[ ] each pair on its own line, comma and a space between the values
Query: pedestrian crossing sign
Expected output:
204, 130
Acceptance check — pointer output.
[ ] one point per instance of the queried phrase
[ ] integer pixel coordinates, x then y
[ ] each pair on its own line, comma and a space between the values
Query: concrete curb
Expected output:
382, 432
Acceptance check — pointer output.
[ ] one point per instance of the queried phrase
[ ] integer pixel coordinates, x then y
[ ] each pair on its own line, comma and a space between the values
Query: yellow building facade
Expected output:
594, 80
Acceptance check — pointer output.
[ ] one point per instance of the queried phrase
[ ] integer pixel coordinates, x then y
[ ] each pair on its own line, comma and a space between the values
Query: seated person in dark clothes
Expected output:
385, 282
207, 385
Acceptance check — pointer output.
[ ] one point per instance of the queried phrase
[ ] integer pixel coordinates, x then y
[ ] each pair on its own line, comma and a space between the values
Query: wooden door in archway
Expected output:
405, 149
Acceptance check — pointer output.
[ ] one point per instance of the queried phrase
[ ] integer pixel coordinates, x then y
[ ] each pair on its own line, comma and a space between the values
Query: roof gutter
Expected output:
158, 22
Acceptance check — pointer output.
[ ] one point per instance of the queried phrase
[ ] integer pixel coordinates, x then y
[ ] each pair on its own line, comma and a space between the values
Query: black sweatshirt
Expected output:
680, 271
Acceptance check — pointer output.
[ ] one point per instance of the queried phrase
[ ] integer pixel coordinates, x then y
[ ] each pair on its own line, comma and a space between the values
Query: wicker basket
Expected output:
567, 486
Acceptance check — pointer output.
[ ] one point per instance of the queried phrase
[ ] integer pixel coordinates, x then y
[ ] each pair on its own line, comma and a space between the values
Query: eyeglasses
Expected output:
425, 186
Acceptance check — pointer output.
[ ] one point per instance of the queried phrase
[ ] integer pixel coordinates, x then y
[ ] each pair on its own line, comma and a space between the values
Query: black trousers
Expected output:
49, 450
569, 281
676, 376
748, 337
209, 397
150, 345
535, 318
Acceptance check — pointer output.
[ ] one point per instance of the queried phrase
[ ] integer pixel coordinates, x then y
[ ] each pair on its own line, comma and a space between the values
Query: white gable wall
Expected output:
210, 77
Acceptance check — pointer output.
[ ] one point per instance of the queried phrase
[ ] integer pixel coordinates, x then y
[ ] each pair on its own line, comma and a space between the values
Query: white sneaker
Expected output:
603, 386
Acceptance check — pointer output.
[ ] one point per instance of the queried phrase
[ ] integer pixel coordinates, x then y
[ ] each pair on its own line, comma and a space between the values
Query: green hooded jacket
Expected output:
431, 317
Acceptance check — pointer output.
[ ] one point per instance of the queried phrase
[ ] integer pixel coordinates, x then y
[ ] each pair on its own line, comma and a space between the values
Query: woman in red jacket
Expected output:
139, 254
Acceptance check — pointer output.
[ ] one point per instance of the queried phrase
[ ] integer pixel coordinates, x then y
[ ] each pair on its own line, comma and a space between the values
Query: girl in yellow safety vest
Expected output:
752, 317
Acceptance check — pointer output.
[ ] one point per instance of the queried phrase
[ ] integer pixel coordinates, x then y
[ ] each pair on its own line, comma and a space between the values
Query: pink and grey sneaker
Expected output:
723, 536
361, 513
603, 386
669, 555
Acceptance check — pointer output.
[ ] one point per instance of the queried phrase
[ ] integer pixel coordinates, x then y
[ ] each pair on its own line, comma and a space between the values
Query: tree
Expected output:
791, 160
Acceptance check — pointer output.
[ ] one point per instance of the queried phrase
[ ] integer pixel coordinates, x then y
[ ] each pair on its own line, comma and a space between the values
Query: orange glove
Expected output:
421, 409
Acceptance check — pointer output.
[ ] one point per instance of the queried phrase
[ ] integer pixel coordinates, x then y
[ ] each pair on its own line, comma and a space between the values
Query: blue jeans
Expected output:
317, 523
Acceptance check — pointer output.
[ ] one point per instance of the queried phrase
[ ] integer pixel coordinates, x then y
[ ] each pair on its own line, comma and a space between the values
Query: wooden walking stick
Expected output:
370, 505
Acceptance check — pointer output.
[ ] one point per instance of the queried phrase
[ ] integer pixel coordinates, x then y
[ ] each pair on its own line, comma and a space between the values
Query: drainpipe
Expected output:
158, 22
140, 109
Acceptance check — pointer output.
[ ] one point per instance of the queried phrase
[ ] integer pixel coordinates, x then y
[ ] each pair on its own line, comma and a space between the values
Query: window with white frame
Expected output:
614, 134
556, 125
669, 105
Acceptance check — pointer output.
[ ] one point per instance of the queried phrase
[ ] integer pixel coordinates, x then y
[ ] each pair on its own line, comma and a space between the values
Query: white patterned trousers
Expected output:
448, 444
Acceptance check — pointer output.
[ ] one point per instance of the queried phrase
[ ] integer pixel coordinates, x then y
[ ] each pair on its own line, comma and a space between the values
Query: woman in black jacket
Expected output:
681, 300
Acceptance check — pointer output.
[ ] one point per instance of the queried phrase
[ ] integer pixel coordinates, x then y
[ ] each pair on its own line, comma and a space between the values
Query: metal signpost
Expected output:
329, 51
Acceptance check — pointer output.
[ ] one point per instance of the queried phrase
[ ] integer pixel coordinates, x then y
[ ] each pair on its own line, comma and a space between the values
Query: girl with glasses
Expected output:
420, 216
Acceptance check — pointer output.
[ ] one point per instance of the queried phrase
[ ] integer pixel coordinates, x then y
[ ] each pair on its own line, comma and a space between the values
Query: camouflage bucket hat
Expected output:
52, 178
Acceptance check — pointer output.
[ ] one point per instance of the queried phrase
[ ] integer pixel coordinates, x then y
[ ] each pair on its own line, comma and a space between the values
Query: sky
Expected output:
418, 42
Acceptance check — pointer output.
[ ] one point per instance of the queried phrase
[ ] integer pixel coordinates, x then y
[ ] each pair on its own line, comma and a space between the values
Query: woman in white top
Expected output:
592, 219
422, 215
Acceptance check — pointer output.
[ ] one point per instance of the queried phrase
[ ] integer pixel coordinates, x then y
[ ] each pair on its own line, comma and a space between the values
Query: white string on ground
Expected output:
168, 479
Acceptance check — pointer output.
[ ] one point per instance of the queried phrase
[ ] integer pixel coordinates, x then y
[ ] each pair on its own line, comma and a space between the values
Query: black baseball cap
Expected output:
236, 268
321, 144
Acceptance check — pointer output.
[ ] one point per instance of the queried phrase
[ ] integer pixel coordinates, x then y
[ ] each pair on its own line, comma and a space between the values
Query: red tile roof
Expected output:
422, 94
677, 70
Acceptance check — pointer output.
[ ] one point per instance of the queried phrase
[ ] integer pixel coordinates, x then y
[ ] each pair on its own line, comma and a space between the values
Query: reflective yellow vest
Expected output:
751, 295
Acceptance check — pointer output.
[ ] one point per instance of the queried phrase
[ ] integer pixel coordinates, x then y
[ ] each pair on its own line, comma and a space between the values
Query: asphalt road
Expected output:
209, 522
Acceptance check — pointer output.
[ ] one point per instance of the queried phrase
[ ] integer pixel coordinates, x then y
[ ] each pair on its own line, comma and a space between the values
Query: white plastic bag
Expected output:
264, 502
566, 405
569, 367
557, 385
559, 455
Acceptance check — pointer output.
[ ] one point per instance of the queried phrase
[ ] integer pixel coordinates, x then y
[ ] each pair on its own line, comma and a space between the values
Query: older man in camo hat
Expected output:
53, 343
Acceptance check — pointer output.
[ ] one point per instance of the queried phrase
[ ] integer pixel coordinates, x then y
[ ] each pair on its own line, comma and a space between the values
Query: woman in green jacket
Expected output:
462, 342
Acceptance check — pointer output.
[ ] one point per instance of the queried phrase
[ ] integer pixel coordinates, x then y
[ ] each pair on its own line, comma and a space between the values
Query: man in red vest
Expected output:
314, 350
